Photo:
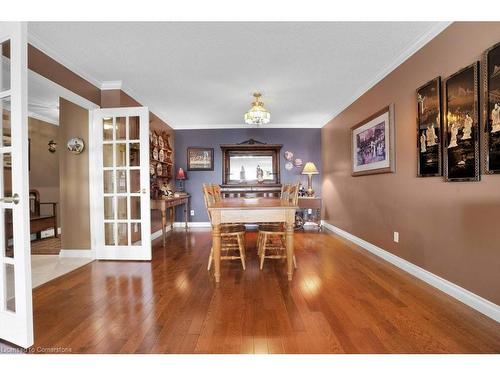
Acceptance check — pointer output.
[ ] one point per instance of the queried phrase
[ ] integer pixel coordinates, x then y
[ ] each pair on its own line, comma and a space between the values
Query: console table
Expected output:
169, 204
310, 208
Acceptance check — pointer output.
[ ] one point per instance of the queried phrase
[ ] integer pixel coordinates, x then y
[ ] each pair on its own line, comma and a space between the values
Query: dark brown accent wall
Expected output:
49, 68
448, 228
74, 178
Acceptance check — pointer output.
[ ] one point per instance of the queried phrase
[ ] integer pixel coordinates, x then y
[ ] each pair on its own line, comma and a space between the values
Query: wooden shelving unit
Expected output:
160, 162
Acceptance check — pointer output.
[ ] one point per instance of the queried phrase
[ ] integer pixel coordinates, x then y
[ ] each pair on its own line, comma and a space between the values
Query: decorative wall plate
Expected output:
75, 145
288, 166
288, 155
298, 162
155, 153
161, 156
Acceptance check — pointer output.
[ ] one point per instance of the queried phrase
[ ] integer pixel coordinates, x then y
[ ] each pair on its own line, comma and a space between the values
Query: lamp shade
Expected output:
181, 175
310, 168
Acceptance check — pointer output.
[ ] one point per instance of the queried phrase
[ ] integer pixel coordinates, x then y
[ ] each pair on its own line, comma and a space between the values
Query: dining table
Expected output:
252, 211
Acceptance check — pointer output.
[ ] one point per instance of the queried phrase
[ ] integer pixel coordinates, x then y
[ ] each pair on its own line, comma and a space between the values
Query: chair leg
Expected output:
263, 250
210, 258
241, 246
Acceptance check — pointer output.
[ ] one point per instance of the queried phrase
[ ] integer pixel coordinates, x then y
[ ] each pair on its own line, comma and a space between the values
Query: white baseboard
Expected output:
77, 253
157, 234
192, 224
478, 303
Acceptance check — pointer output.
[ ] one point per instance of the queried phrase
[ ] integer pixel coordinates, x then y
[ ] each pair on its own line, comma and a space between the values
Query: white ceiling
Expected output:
202, 75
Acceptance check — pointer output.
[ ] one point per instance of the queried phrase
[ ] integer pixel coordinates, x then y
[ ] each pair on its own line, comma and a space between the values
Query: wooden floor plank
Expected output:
341, 300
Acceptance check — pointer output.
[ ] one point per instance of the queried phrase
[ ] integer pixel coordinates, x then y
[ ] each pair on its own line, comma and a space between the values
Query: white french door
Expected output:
16, 309
120, 176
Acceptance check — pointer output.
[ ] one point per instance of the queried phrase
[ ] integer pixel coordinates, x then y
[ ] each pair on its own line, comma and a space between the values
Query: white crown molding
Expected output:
246, 126
69, 253
42, 118
39, 44
111, 85
478, 303
403, 56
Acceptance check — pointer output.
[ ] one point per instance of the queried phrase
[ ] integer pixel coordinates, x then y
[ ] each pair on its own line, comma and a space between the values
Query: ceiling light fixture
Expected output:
257, 115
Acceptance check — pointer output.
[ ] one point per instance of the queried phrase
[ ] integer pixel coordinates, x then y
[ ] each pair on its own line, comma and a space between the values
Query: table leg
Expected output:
216, 243
163, 224
289, 249
186, 215
172, 217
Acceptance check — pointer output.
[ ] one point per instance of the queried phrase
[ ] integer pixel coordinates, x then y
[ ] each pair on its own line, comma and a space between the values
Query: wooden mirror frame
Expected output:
251, 147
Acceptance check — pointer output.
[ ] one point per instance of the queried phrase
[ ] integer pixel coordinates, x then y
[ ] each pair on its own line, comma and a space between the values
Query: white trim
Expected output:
36, 116
37, 42
192, 224
111, 85
76, 253
157, 234
403, 56
478, 303
246, 126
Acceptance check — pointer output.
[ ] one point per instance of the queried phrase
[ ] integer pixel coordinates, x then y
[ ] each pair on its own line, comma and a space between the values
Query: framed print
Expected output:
372, 144
429, 129
200, 159
461, 126
491, 108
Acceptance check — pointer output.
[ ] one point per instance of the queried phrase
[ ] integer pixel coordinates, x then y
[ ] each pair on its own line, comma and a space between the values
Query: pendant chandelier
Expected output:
257, 115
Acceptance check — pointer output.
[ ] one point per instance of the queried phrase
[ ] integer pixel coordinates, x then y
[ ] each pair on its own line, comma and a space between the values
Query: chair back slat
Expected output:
217, 192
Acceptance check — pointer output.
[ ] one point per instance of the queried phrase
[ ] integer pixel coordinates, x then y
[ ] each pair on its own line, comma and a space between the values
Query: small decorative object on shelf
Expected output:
309, 170
302, 191
155, 139
159, 169
160, 141
298, 162
181, 176
76, 145
161, 156
155, 153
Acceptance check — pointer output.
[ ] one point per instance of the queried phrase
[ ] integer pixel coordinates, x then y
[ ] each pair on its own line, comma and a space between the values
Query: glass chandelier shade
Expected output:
257, 115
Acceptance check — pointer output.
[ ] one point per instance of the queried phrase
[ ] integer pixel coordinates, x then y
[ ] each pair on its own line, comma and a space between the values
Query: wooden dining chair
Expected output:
217, 192
271, 240
232, 236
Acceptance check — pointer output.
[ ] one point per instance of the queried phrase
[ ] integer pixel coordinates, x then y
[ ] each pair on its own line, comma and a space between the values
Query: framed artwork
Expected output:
372, 144
429, 129
491, 108
200, 159
462, 126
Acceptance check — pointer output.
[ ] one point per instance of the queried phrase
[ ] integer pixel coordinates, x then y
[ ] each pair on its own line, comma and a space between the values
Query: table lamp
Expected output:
181, 176
309, 170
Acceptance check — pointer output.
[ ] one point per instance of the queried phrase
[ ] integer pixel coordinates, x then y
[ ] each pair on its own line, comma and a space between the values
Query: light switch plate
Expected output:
396, 237
192, 212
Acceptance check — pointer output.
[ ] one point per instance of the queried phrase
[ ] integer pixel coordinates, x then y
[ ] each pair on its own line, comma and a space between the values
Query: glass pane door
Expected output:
124, 181
16, 312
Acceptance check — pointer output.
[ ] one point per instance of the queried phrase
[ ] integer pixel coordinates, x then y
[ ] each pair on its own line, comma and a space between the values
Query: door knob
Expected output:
14, 199
143, 191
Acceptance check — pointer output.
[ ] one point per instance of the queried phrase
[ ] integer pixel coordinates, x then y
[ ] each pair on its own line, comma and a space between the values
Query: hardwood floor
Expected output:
341, 300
